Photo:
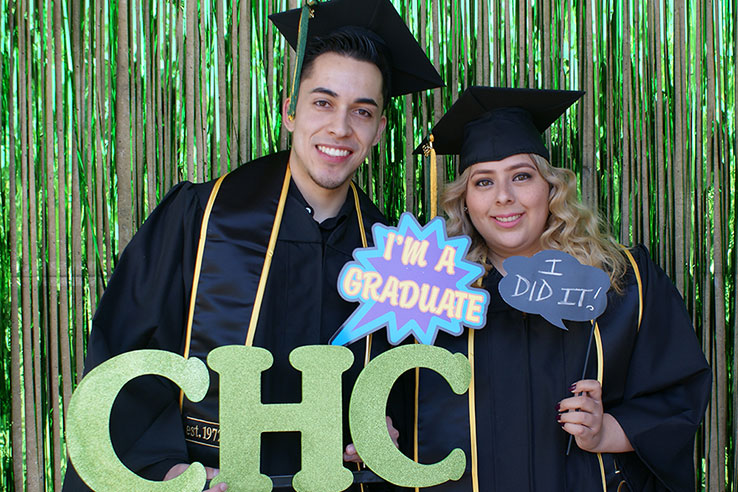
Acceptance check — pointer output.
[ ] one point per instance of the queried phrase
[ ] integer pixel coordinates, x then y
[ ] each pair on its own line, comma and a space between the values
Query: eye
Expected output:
321, 103
483, 182
522, 177
364, 112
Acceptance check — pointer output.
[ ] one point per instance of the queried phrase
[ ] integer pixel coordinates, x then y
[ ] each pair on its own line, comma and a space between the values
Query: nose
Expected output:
505, 193
340, 125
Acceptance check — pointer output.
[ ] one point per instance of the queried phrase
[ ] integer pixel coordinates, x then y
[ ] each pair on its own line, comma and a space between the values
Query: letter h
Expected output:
243, 417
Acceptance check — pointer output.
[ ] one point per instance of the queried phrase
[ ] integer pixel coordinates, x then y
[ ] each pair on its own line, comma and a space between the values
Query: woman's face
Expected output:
508, 205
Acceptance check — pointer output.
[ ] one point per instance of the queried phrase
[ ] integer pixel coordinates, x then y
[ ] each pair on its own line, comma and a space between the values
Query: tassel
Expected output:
302, 32
429, 150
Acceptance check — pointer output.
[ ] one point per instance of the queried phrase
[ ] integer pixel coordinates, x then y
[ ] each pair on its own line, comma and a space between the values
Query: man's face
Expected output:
337, 121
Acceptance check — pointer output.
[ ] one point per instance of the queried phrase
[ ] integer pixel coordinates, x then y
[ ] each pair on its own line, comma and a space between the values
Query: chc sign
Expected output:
243, 417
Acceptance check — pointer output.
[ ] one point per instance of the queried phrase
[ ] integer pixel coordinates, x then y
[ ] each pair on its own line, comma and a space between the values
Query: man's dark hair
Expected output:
354, 42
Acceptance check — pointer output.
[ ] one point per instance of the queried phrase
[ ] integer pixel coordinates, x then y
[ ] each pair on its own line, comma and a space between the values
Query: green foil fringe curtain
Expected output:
105, 105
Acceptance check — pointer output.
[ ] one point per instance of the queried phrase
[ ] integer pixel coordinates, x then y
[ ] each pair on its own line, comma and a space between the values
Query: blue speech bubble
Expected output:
556, 286
415, 280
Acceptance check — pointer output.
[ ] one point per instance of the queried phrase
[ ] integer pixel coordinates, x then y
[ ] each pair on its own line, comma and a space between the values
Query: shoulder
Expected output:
261, 167
642, 270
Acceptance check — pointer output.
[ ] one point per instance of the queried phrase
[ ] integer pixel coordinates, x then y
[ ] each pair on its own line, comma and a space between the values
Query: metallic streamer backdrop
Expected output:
105, 105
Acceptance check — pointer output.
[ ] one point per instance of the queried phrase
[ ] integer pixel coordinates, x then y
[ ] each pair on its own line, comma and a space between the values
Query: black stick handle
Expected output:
584, 373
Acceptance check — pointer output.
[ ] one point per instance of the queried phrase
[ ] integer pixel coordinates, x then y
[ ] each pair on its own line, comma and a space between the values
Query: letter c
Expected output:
88, 433
367, 414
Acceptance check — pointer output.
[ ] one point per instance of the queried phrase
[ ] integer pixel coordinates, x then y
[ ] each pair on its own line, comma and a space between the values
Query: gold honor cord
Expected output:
362, 231
600, 355
473, 417
415, 418
600, 373
198, 265
640, 284
268, 259
428, 150
473, 407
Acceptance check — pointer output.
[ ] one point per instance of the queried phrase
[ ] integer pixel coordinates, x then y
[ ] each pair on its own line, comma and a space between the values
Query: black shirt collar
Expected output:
329, 224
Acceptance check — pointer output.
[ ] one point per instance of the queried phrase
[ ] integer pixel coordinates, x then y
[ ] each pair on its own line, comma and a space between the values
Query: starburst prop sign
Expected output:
414, 280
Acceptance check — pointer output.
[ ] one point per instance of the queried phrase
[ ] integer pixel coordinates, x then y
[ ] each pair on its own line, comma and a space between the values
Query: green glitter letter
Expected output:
243, 417
368, 408
88, 434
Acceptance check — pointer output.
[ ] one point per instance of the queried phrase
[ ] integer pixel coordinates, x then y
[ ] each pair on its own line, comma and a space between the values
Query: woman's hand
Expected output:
350, 454
179, 469
583, 417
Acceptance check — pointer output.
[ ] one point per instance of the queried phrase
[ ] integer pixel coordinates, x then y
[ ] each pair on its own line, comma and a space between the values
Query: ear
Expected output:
288, 122
380, 130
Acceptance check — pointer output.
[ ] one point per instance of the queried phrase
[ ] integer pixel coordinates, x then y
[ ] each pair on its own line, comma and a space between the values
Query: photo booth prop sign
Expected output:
414, 280
556, 286
243, 417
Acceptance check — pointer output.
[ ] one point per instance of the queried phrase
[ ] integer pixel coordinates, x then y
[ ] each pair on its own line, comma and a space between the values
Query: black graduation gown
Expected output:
146, 302
655, 379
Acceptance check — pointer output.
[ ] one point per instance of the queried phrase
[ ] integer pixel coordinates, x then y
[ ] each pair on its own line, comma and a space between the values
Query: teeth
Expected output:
509, 219
333, 151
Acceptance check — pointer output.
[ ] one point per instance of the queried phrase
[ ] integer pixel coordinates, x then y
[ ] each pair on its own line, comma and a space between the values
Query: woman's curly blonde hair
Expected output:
571, 226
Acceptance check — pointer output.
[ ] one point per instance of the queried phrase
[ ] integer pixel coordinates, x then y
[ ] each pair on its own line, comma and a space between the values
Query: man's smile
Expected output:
334, 151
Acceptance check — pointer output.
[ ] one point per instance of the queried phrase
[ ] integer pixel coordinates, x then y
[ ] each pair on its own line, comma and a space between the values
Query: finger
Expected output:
589, 386
350, 454
211, 473
176, 471
394, 433
580, 432
580, 404
352, 458
221, 487
584, 419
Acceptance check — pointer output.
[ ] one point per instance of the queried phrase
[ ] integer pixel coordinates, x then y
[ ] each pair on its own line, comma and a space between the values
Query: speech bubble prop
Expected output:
87, 427
556, 286
415, 280
368, 407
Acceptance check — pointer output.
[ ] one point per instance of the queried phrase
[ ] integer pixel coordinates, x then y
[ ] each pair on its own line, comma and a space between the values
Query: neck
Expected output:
497, 263
498, 259
325, 202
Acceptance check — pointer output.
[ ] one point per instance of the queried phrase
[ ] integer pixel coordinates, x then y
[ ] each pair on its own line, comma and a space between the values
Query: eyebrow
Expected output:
328, 92
512, 167
521, 164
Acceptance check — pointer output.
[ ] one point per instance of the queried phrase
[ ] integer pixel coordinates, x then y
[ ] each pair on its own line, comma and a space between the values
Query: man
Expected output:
195, 276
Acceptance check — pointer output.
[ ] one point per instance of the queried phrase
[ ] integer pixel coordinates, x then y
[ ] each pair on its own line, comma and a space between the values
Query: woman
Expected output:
634, 414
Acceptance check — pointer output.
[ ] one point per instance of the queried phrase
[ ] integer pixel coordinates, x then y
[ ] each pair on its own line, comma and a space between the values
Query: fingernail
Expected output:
558, 418
573, 387
558, 407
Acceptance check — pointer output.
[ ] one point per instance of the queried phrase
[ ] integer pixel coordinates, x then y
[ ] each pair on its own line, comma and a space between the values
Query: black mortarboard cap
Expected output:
491, 123
412, 71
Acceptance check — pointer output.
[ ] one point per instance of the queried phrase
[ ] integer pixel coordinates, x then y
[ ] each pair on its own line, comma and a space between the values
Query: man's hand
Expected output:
349, 454
179, 469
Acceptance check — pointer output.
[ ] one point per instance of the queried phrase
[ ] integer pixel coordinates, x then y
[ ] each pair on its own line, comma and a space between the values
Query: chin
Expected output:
330, 182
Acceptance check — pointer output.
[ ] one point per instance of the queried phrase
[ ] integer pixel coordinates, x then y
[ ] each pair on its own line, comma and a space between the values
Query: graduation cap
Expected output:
411, 70
491, 123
